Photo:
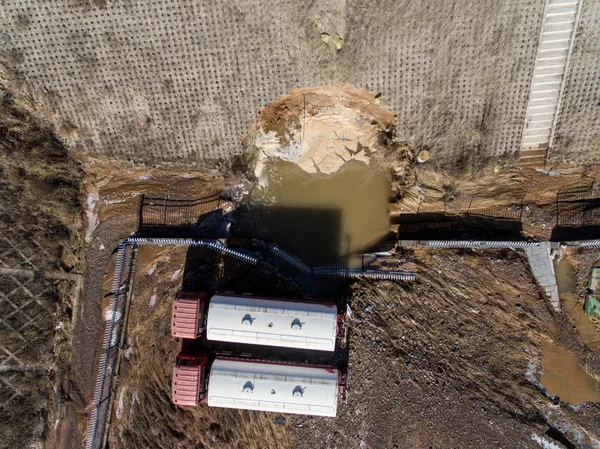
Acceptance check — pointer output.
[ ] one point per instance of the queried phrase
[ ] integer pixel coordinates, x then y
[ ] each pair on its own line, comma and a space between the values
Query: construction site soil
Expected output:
441, 362
451, 360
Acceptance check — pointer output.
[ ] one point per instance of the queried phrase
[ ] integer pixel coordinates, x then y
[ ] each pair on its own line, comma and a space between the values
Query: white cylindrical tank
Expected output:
272, 322
273, 387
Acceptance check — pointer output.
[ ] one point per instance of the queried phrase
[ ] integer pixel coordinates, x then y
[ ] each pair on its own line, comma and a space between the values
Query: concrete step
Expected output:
563, 2
554, 70
551, 36
534, 152
547, 109
545, 80
534, 141
565, 8
535, 103
553, 53
540, 78
533, 160
542, 116
543, 62
540, 86
559, 19
540, 124
533, 164
558, 44
539, 163
540, 133
543, 94
555, 27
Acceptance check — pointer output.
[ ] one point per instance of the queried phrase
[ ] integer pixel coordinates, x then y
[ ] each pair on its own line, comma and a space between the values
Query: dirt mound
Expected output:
321, 128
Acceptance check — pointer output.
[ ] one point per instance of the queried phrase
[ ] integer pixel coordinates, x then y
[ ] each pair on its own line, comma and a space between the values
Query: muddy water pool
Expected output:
563, 376
322, 218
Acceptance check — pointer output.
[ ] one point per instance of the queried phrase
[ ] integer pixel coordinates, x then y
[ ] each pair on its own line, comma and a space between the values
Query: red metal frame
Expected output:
342, 387
199, 362
329, 368
202, 358
201, 300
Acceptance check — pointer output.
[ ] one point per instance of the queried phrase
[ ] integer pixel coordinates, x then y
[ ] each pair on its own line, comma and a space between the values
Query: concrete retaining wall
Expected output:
174, 80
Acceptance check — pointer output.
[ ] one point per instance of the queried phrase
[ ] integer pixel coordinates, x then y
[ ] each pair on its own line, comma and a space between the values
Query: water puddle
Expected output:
563, 376
565, 278
322, 218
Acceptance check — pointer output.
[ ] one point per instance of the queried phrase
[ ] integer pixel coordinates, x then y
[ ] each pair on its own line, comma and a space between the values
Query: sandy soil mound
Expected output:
320, 129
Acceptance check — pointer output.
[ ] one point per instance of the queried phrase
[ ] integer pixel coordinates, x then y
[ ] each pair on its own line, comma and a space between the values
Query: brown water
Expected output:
563, 376
573, 306
323, 218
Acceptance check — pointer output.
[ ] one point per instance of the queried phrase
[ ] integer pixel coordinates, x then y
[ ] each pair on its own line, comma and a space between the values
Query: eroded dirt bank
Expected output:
41, 233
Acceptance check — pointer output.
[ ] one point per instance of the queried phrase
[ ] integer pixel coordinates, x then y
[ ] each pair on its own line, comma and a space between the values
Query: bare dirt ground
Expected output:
533, 192
442, 362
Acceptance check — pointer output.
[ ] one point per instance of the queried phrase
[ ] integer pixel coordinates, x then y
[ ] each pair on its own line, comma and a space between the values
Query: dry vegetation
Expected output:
40, 213
143, 414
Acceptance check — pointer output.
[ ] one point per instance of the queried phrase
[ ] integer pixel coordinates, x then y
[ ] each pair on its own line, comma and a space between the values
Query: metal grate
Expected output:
165, 211
110, 343
578, 206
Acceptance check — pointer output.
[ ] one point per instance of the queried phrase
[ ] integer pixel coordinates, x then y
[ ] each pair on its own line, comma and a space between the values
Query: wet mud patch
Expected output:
564, 377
